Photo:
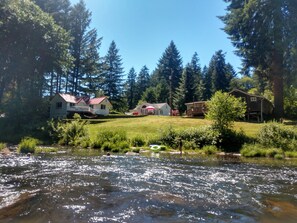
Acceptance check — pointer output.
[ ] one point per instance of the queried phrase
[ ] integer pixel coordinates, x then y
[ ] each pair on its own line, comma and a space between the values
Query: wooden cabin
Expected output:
257, 106
197, 108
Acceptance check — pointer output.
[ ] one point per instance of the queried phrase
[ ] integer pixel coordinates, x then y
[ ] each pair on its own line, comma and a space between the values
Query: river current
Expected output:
143, 189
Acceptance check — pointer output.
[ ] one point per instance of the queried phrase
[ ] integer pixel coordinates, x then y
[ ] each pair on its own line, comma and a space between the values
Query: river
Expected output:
143, 189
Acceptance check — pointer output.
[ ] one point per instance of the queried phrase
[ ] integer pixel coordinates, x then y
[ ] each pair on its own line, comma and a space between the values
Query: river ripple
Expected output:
66, 188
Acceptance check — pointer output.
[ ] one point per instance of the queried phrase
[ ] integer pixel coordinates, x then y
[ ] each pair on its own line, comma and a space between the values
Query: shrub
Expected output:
231, 140
252, 150
168, 137
45, 150
224, 109
210, 150
154, 141
279, 136
291, 154
136, 150
108, 140
71, 133
137, 141
122, 145
198, 137
107, 146
278, 156
28, 145
2, 146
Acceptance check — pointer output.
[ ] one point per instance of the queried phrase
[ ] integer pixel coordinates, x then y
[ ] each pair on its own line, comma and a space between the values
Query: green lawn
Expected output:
149, 126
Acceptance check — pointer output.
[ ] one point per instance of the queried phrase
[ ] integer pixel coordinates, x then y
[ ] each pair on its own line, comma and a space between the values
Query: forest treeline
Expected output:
49, 46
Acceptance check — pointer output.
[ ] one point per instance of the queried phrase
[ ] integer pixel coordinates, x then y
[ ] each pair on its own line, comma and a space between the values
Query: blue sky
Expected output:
143, 29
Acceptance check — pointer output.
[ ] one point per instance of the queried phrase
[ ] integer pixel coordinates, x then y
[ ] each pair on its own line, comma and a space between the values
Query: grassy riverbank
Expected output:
150, 126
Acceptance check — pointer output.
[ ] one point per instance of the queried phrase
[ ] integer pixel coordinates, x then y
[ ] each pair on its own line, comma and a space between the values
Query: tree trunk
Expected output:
278, 92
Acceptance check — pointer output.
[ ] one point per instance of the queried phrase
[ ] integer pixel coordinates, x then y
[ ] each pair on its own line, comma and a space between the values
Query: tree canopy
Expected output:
265, 34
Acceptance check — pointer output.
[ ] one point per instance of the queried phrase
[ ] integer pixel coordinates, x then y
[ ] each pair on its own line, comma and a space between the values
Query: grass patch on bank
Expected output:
149, 126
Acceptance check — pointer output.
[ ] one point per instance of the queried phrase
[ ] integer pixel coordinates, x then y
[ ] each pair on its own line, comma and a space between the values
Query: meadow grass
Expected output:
150, 126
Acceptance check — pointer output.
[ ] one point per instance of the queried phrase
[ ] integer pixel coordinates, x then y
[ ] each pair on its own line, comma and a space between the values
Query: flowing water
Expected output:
140, 189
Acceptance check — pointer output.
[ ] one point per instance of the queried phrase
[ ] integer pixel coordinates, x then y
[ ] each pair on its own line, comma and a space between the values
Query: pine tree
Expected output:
113, 76
169, 70
220, 72
131, 88
142, 83
207, 83
90, 79
265, 34
80, 19
198, 79
185, 91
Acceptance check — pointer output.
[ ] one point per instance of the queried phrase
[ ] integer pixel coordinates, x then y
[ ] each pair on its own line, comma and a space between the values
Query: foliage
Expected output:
258, 150
232, 141
279, 136
131, 88
210, 149
264, 33
137, 141
291, 154
111, 140
71, 133
220, 72
2, 146
112, 82
224, 109
28, 145
290, 102
46, 150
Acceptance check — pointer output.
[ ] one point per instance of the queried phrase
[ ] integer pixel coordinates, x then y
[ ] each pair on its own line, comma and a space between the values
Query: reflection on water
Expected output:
66, 188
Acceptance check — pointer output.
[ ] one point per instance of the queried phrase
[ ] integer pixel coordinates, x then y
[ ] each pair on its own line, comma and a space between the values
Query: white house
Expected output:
62, 105
152, 109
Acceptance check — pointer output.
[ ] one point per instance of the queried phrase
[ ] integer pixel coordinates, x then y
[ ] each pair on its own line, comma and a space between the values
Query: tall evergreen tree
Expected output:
142, 82
131, 88
113, 76
24, 61
169, 69
207, 83
90, 80
220, 72
265, 34
80, 19
198, 79
185, 91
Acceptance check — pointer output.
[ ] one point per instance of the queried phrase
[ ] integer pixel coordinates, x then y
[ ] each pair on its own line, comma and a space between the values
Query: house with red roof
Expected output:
63, 105
162, 109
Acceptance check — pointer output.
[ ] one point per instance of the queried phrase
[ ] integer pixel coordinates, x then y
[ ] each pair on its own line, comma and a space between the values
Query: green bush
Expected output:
279, 136
154, 141
199, 137
252, 150
231, 140
28, 145
2, 146
210, 150
137, 141
45, 150
107, 146
72, 133
291, 154
168, 137
108, 140
278, 156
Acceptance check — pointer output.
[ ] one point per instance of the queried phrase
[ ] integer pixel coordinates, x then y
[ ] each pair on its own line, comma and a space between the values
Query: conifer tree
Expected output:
265, 34
131, 88
169, 70
142, 83
112, 83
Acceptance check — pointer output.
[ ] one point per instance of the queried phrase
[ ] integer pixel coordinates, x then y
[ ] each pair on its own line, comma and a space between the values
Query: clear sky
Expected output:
143, 29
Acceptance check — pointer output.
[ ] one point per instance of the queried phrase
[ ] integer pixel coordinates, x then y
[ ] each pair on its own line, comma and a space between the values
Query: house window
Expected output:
91, 106
253, 99
59, 105
103, 107
72, 104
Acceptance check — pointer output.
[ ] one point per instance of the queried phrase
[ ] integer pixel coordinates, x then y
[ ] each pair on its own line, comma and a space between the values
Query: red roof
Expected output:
96, 101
